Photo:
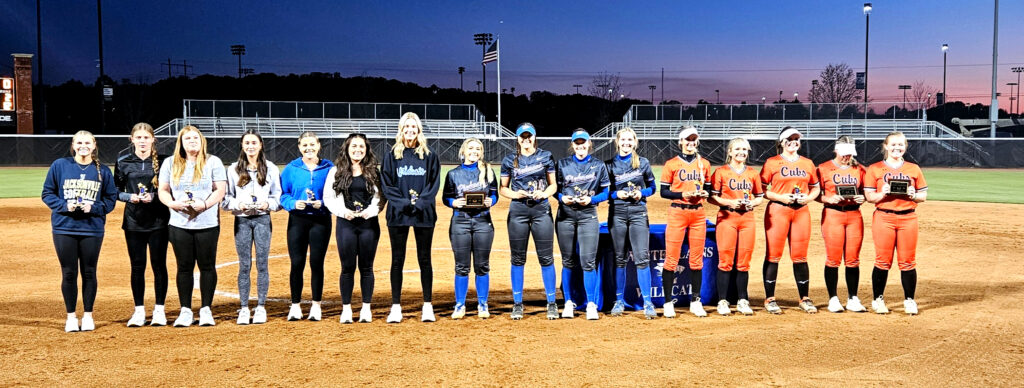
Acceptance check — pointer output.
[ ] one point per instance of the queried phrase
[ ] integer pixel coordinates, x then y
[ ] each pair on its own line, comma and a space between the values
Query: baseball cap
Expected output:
580, 135
526, 128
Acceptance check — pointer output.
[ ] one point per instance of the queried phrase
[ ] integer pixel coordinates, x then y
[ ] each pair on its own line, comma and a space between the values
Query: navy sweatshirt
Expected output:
589, 175
466, 178
400, 176
532, 169
66, 181
622, 173
129, 172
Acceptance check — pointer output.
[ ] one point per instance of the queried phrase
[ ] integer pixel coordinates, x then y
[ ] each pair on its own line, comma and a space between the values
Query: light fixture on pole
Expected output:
814, 91
904, 88
462, 69
717, 100
1018, 70
483, 39
1011, 85
239, 50
577, 86
652, 87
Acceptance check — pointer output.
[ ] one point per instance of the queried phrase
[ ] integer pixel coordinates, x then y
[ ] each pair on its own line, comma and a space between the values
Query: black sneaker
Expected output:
517, 312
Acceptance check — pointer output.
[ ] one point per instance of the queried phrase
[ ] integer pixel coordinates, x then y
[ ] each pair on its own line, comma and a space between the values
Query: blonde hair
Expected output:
486, 175
846, 139
95, 155
885, 152
421, 140
733, 142
152, 152
634, 159
180, 156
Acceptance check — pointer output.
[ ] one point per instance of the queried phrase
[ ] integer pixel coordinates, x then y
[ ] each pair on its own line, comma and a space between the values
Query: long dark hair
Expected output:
343, 176
242, 168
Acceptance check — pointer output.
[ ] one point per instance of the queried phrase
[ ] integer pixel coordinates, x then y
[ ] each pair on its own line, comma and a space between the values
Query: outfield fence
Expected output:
41, 150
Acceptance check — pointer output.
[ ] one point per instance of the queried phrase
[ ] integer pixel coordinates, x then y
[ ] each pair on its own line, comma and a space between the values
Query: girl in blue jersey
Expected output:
582, 184
411, 176
528, 180
79, 192
471, 231
632, 181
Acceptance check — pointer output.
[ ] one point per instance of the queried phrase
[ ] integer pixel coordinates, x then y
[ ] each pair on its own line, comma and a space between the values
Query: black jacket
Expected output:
400, 176
129, 172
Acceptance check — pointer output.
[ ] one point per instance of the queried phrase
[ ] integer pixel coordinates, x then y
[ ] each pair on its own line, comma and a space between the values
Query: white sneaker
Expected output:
314, 311
834, 305
365, 314
743, 306
295, 312
460, 311
184, 318
910, 306
592, 311
723, 308
346, 314
71, 325
482, 312
878, 305
569, 309
159, 317
138, 317
243, 316
428, 313
395, 316
669, 310
259, 316
206, 317
87, 322
697, 309
853, 304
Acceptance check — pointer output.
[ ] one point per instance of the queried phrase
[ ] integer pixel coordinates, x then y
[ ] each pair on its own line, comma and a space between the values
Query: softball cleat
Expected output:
460, 312
517, 312
807, 305
772, 306
618, 308
552, 312
482, 312
649, 311
743, 306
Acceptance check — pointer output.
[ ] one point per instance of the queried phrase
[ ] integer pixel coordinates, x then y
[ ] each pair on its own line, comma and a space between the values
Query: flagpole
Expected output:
499, 83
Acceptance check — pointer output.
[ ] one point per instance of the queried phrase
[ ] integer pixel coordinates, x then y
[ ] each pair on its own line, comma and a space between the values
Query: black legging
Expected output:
357, 245
312, 233
74, 253
424, 238
155, 243
192, 247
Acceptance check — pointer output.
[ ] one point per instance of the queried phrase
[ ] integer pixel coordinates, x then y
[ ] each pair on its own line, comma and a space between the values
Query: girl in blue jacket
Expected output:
80, 192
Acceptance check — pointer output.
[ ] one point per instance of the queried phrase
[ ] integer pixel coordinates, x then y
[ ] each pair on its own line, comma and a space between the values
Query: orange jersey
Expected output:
728, 184
785, 176
879, 174
686, 177
831, 175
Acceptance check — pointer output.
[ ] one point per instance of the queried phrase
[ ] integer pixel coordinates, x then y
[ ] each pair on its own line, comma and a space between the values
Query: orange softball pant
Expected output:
897, 231
735, 233
679, 222
843, 232
782, 222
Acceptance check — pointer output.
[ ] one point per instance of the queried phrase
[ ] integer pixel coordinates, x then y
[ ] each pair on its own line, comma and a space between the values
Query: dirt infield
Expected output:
969, 330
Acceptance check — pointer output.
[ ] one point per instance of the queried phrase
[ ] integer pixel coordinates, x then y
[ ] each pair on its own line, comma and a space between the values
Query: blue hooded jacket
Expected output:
296, 178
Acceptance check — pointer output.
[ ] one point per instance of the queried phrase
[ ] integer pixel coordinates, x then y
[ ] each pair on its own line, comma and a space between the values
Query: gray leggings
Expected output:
251, 231
630, 219
574, 226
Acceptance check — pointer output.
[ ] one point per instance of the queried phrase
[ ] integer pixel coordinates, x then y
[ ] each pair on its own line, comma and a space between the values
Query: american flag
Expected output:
492, 54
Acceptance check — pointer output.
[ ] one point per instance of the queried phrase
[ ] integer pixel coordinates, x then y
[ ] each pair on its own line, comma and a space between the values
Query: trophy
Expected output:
142, 189
252, 205
475, 199
79, 204
796, 190
310, 196
899, 187
188, 193
413, 195
846, 191
631, 188
358, 205
746, 196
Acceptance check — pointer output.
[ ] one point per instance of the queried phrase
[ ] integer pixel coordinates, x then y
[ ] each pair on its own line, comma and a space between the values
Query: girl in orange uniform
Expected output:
735, 188
894, 223
842, 225
682, 180
790, 183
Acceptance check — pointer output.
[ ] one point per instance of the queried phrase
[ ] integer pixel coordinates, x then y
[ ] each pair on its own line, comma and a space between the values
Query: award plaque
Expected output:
846, 191
899, 186
475, 199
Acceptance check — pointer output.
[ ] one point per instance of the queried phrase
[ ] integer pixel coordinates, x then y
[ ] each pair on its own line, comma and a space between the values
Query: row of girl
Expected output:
176, 199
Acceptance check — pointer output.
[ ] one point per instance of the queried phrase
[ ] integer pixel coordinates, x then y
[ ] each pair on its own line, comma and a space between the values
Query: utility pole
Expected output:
103, 103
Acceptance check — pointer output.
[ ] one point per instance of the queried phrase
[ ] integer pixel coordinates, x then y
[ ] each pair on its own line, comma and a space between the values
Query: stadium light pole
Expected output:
945, 51
780, 96
718, 101
239, 50
483, 39
478, 86
577, 86
1011, 85
993, 110
103, 99
1018, 70
867, 33
814, 86
652, 87
461, 70
904, 88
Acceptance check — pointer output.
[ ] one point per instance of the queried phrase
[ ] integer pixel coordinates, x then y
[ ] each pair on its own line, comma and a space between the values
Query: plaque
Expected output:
475, 199
899, 186
846, 191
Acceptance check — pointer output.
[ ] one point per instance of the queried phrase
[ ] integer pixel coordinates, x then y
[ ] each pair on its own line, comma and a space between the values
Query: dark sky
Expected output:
747, 49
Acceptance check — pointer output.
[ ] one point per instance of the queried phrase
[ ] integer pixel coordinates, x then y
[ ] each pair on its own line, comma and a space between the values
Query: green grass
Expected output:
967, 185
